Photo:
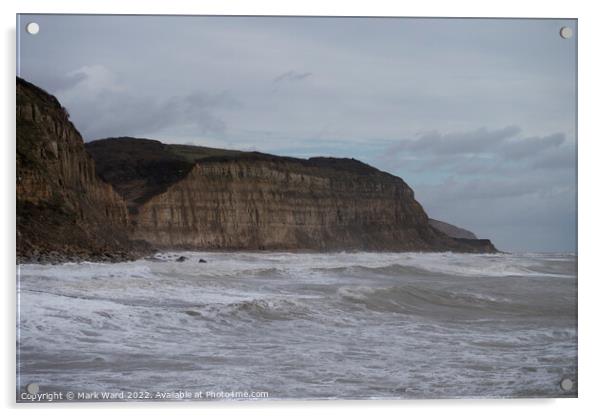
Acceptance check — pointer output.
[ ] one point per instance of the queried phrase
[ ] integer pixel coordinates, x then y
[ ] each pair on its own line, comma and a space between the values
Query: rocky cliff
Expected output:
64, 211
133, 194
205, 198
451, 230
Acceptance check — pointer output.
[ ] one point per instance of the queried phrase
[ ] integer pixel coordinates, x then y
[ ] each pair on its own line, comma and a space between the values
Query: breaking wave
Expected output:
303, 325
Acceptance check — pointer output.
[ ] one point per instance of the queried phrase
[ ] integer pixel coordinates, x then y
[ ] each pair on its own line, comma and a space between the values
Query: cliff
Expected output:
451, 230
113, 199
205, 198
64, 211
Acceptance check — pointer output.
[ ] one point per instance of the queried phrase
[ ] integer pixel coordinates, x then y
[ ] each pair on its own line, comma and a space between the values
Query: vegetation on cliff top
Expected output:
141, 168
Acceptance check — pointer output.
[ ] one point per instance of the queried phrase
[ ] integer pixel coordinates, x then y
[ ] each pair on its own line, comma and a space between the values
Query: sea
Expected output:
280, 325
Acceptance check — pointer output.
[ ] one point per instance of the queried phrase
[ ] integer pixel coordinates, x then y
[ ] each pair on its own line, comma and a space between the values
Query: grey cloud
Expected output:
61, 82
459, 189
527, 147
292, 76
500, 187
200, 99
480, 150
111, 113
560, 158
102, 104
474, 141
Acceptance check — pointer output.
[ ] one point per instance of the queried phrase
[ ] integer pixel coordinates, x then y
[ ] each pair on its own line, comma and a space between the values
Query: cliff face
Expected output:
237, 200
176, 196
271, 205
451, 230
62, 206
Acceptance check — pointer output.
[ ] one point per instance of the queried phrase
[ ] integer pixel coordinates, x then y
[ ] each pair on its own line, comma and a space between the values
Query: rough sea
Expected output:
300, 326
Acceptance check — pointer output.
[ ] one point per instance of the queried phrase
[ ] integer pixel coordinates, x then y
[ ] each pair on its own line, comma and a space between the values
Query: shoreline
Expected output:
113, 258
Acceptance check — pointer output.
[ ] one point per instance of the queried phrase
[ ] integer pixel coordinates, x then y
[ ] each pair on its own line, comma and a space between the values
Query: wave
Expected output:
388, 270
359, 322
277, 286
494, 270
425, 301
261, 309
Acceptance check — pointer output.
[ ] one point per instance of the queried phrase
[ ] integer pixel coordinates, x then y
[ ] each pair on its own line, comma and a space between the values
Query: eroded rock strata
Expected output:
136, 194
451, 230
221, 199
64, 211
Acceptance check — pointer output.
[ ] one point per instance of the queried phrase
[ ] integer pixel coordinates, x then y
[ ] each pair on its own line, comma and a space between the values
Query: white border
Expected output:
590, 210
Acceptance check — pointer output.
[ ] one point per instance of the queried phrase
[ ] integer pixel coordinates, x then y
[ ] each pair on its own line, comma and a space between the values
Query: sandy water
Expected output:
342, 325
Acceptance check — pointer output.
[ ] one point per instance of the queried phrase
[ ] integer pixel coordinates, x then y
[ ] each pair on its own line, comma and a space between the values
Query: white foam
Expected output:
286, 320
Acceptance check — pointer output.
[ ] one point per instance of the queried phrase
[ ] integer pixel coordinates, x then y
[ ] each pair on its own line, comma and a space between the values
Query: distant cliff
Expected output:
205, 198
451, 230
64, 211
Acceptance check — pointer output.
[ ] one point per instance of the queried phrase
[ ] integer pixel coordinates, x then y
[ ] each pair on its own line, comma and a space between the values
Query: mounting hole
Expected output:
566, 384
32, 28
32, 388
566, 32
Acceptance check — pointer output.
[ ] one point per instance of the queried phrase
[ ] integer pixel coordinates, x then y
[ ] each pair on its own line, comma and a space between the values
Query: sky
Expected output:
478, 116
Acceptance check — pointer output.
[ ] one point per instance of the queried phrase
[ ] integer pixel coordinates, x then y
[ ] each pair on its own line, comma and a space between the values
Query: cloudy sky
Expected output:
477, 115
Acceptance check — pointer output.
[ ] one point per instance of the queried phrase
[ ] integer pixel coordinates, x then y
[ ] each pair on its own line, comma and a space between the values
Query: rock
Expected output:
202, 261
205, 198
98, 202
181, 259
154, 259
192, 313
451, 230
64, 209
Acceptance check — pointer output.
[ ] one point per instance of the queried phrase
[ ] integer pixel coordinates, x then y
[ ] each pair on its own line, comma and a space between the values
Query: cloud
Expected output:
521, 148
457, 189
480, 150
292, 76
60, 83
497, 182
470, 142
102, 106
95, 79
559, 158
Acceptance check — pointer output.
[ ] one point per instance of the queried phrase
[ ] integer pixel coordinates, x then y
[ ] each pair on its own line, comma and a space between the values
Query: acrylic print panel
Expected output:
252, 208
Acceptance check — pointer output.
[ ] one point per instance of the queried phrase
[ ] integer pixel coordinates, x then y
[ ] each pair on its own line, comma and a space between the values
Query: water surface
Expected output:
343, 325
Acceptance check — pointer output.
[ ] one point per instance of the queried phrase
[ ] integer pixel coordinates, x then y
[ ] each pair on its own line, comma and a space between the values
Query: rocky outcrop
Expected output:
64, 211
218, 199
451, 230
